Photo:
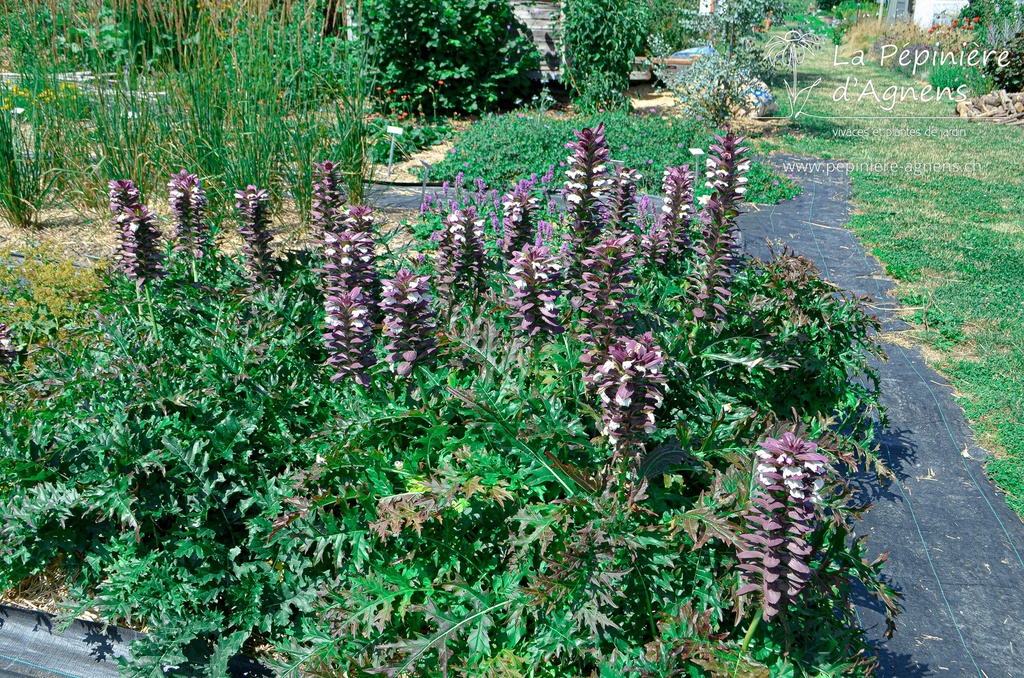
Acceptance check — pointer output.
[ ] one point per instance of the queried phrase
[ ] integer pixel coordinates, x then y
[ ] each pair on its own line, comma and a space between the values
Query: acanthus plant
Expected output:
461, 256
137, 250
349, 335
535, 273
253, 205
677, 211
518, 222
350, 259
586, 183
8, 352
607, 278
408, 321
776, 559
328, 200
718, 247
629, 384
188, 203
621, 207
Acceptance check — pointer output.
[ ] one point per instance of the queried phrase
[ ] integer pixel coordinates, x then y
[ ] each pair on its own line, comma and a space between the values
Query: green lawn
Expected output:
954, 239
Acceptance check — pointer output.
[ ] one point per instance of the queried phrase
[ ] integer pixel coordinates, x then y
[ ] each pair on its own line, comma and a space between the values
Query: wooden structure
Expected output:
543, 21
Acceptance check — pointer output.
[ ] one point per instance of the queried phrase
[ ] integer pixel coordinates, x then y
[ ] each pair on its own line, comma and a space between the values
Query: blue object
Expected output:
694, 51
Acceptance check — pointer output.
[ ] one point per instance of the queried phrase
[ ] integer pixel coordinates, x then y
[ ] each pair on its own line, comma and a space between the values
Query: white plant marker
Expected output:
394, 132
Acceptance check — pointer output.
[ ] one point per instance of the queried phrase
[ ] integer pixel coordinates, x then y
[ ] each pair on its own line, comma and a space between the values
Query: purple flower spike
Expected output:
535, 274
676, 213
137, 251
776, 559
188, 204
586, 182
328, 200
655, 245
349, 336
607, 276
518, 224
628, 383
408, 321
622, 202
253, 205
8, 353
460, 257
718, 247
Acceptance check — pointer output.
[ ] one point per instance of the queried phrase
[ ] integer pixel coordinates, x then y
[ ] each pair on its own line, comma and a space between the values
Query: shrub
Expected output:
1011, 76
452, 56
601, 39
471, 486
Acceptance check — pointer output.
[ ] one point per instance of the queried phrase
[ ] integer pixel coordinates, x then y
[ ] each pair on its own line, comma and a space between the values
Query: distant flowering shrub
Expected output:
253, 206
776, 559
188, 205
137, 251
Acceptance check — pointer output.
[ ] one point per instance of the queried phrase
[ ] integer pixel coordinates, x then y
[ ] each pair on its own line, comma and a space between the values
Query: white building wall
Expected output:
927, 13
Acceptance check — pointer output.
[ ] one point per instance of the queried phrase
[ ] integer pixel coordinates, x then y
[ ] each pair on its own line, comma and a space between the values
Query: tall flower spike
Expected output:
408, 321
518, 226
607, 277
535, 273
718, 245
349, 335
622, 201
677, 212
655, 245
8, 353
628, 384
253, 205
325, 214
586, 183
349, 263
776, 558
188, 204
137, 251
460, 257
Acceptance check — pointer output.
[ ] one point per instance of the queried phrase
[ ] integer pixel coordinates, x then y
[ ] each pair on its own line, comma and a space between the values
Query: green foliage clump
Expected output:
954, 76
502, 149
452, 56
196, 470
600, 40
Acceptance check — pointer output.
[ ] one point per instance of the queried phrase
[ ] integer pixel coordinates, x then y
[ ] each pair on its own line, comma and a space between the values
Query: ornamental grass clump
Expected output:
328, 199
349, 335
518, 223
188, 203
629, 385
535, 273
776, 559
718, 247
408, 322
586, 182
607, 278
137, 251
253, 206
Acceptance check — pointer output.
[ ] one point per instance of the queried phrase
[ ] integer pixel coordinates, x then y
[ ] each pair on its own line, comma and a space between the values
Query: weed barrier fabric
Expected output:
956, 551
32, 647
